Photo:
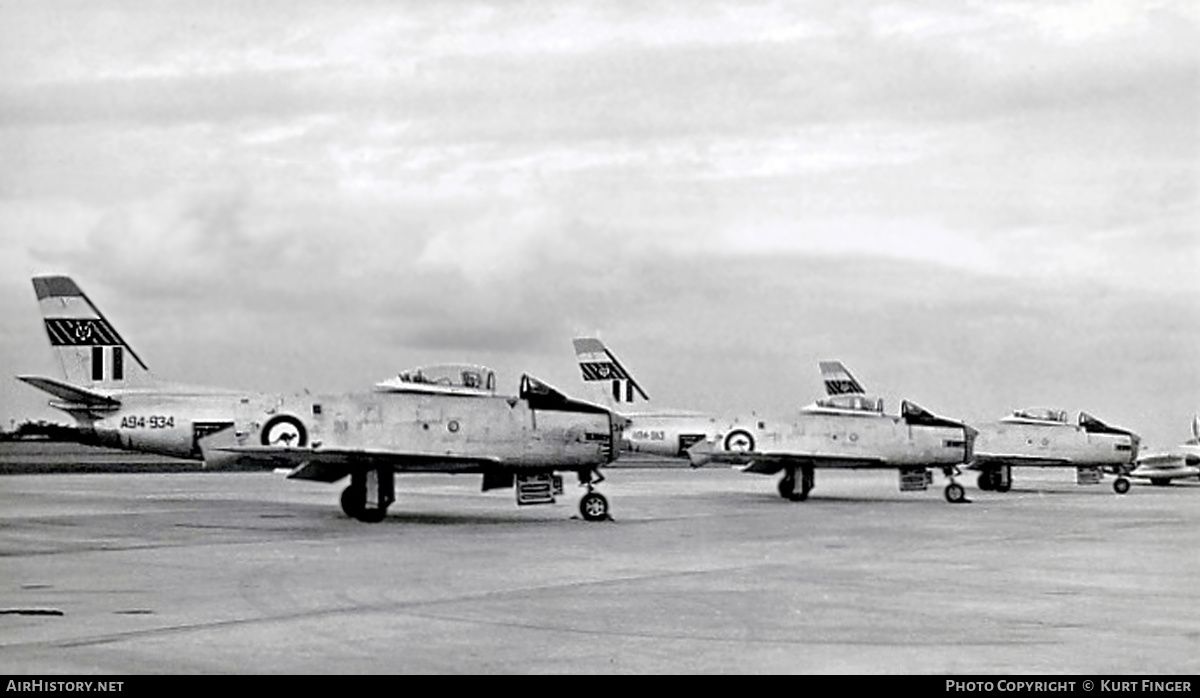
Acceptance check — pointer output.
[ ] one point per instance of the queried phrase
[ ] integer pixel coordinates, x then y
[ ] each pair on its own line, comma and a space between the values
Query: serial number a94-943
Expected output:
152, 422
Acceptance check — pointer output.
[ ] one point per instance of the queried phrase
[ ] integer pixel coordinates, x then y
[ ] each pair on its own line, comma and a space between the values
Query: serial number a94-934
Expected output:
152, 422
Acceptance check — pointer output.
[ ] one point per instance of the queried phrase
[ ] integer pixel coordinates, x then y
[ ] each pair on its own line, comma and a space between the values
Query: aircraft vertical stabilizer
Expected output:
89, 350
604, 374
838, 380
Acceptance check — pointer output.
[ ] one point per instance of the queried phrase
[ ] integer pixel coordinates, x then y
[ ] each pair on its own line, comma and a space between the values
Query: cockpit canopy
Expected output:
543, 396
449, 378
1041, 414
914, 414
851, 403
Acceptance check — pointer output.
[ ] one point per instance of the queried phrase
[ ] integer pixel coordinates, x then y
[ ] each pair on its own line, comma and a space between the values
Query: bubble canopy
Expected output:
454, 378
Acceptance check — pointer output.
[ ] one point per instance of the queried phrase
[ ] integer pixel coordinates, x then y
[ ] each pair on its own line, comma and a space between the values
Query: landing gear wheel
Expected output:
372, 515
787, 487
1003, 487
1120, 485
985, 481
354, 501
955, 494
594, 507
1160, 481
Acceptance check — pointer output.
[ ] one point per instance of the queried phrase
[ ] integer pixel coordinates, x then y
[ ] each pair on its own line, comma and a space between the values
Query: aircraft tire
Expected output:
985, 481
739, 436
372, 515
1005, 487
1160, 481
1121, 485
955, 494
786, 486
354, 501
594, 507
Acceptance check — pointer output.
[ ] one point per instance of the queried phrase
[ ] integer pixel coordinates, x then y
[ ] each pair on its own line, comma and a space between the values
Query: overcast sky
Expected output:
978, 206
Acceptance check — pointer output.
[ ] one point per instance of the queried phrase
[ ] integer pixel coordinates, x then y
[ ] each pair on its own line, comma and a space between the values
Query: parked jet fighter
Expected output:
848, 429
1037, 437
438, 419
1183, 461
661, 432
1045, 438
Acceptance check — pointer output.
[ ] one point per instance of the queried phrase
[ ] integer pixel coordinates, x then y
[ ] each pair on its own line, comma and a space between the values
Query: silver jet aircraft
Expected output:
1036, 437
1045, 437
445, 419
658, 432
1181, 462
847, 429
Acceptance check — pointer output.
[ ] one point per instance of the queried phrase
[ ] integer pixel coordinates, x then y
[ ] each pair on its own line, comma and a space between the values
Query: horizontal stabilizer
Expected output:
72, 394
700, 453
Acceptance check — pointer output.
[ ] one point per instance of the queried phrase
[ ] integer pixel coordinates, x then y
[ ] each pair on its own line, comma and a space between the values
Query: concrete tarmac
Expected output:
701, 571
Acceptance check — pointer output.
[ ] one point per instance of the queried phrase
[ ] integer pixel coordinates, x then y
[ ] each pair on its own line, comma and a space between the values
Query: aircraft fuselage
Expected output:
504, 428
859, 440
169, 422
1063, 445
666, 434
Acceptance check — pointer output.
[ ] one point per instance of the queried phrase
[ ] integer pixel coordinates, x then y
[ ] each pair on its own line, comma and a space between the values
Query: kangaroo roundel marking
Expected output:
284, 430
739, 440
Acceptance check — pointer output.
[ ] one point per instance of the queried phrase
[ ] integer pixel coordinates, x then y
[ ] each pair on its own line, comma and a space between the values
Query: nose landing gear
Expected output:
955, 493
593, 506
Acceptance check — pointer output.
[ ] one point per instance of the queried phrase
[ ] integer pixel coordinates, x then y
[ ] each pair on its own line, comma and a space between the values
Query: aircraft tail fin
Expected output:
838, 380
603, 373
89, 350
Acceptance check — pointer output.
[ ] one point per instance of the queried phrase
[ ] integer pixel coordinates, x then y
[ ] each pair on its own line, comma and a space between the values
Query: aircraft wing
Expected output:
771, 462
1167, 466
73, 395
1165, 471
1161, 460
332, 464
984, 460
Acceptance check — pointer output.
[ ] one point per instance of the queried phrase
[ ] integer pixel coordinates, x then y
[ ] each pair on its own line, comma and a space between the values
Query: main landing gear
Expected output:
1121, 485
593, 506
996, 479
788, 484
369, 494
